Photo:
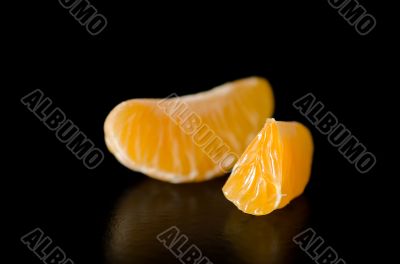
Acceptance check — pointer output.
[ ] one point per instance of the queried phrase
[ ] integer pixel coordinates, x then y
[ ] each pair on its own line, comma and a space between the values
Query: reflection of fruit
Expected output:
267, 239
201, 213
184, 139
273, 170
151, 207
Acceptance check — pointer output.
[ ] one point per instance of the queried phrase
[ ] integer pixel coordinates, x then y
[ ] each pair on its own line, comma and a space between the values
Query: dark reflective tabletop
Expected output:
201, 212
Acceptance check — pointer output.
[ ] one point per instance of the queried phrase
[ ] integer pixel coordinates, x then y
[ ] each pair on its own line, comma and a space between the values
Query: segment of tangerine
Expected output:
189, 138
273, 170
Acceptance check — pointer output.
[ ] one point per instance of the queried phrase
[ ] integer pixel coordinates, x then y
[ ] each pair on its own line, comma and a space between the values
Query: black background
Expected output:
153, 50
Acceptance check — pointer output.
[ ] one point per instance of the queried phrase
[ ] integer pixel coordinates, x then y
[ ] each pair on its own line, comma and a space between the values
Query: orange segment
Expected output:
189, 138
273, 170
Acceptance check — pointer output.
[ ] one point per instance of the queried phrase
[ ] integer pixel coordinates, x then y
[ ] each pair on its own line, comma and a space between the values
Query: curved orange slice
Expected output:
189, 138
273, 170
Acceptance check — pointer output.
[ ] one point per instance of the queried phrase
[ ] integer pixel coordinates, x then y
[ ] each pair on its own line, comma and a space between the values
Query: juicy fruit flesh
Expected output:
152, 135
273, 170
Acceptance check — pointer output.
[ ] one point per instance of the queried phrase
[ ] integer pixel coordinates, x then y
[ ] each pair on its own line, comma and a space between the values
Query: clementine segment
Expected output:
190, 138
273, 170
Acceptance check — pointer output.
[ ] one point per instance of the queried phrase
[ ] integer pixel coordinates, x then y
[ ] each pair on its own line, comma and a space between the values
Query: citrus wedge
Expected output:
189, 138
273, 170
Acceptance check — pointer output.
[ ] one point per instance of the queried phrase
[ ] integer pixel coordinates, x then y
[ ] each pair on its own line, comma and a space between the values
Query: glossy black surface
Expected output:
202, 213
